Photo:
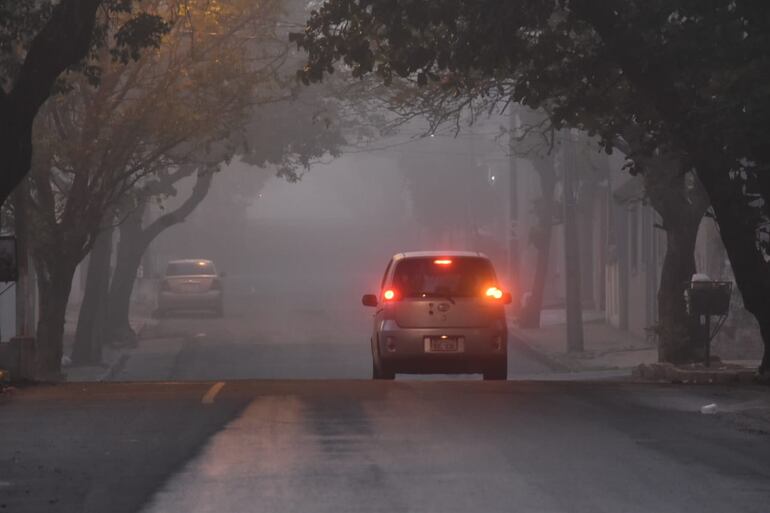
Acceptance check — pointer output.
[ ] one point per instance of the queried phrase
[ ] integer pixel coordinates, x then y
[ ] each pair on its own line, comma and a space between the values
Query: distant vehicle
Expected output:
191, 284
439, 313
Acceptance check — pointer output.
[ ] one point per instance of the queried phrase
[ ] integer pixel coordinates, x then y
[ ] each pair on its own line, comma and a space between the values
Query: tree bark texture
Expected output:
131, 247
740, 238
54, 283
675, 344
90, 332
63, 41
545, 209
681, 205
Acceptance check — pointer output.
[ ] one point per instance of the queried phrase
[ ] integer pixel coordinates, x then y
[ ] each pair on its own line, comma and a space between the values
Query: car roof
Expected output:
190, 261
431, 254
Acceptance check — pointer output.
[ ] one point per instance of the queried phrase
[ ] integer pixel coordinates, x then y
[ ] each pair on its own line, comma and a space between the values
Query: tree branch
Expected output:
199, 192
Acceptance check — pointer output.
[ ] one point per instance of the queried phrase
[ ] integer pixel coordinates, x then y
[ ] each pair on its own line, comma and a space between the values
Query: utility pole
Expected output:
513, 210
23, 313
571, 247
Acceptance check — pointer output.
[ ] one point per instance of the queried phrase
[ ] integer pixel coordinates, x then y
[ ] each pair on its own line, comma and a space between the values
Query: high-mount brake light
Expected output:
442, 261
389, 295
494, 292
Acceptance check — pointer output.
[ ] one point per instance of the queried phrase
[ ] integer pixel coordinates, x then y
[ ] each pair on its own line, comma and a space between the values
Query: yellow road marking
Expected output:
208, 397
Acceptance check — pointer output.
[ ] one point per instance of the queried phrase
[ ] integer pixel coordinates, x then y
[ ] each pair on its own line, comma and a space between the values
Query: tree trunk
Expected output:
54, 282
131, 247
675, 344
90, 332
63, 41
739, 235
545, 209
134, 241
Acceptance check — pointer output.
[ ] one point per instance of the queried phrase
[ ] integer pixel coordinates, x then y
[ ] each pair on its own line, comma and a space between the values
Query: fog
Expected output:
298, 256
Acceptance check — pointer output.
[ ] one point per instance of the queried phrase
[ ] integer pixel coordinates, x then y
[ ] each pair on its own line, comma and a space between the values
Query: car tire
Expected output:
497, 372
378, 373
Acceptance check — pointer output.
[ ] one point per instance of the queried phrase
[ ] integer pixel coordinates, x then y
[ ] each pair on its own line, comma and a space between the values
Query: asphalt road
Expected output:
363, 446
289, 331
271, 409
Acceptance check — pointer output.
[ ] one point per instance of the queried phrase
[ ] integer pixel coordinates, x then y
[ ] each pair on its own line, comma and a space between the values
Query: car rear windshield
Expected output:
447, 277
190, 268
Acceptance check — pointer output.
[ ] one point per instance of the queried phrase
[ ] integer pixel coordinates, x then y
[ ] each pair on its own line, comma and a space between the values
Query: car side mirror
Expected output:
507, 298
369, 300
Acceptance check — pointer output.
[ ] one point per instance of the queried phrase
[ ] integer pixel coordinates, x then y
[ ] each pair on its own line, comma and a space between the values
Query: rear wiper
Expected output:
440, 296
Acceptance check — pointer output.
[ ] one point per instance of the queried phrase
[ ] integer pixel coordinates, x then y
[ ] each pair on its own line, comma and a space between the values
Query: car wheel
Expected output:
378, 373
496, 373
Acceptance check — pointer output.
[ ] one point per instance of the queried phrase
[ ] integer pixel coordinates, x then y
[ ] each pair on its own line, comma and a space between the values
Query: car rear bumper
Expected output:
406, 349
190, 300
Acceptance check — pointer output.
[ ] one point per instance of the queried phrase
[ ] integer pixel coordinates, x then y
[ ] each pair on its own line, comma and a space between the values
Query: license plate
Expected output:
442, 345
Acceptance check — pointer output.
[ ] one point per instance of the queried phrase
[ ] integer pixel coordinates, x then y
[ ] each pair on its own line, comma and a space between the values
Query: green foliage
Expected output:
687, 72
22, 20
142, 31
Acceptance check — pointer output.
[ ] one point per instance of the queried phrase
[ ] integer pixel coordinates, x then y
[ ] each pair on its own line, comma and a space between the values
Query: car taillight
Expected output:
494, 293
389, 295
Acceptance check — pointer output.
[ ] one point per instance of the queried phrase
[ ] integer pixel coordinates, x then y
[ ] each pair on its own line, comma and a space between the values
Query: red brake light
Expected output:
389, 295
494, 293
442, 261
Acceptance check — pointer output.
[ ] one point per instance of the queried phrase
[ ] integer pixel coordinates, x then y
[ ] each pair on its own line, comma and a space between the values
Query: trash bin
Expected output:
705, 298
708, 297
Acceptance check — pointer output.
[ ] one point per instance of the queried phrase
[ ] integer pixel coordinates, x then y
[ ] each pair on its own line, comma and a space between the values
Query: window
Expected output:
199, 267
424, 277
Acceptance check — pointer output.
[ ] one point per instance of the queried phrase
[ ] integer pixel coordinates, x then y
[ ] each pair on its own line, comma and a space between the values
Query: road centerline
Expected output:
211, 393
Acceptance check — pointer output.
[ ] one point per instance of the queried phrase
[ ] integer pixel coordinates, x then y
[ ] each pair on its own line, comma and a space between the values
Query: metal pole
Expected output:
707, 335
22, 283
571, 250
513, 210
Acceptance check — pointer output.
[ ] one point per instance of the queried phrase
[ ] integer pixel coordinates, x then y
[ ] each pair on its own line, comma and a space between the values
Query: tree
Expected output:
538, 146
285, 127
601, 65
167, 109
40, 40
133, 243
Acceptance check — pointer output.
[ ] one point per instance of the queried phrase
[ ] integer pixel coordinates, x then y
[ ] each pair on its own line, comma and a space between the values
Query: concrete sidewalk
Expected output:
609, 348
113, 357
605, 347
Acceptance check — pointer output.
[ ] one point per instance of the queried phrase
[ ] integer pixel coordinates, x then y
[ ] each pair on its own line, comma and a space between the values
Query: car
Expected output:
191, 284
439, 312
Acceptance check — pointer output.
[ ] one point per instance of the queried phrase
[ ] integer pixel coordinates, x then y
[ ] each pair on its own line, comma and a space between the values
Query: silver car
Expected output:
192, 284
439, 312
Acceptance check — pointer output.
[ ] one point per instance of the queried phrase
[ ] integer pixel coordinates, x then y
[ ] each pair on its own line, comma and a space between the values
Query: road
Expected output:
363, 446
296, 333
271, 409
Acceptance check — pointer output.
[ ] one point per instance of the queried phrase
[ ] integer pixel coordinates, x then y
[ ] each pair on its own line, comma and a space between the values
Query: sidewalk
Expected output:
605, 347
113, 357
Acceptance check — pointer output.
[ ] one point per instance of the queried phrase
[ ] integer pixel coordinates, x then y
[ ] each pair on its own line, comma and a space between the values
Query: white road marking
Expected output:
208, 397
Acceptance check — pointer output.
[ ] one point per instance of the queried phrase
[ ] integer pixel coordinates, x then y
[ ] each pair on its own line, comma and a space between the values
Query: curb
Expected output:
106, 371
543, 358
670, 373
